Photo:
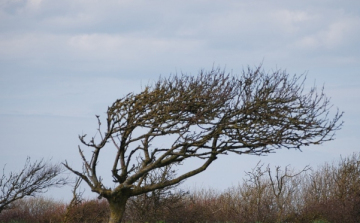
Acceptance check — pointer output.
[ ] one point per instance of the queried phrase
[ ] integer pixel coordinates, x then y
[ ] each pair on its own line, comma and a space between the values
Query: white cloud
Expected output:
127, 48
95, 42
339, 32
335, 35
34, 3
140, 30
290, 21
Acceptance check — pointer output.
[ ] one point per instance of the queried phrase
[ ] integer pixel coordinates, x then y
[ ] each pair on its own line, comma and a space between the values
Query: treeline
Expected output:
330, 193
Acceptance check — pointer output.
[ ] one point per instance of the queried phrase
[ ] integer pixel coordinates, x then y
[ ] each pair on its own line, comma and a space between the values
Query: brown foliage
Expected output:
330, 193
40, 210
159, 205
333, 191
91, 211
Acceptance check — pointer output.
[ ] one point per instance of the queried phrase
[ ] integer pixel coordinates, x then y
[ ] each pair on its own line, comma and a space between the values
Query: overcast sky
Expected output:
62, 62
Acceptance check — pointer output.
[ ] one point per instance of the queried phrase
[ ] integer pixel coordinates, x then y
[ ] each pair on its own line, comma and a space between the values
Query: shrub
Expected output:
91, 211
329, 194
38, 210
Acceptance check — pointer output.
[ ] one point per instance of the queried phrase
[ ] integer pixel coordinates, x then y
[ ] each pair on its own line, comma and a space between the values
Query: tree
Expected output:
204, 116
76, 199
34, 178
284, 186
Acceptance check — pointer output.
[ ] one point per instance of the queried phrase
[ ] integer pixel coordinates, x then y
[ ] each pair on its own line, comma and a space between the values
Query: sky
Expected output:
63, 62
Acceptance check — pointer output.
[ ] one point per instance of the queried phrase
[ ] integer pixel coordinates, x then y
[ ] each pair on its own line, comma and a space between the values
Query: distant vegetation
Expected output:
330, 193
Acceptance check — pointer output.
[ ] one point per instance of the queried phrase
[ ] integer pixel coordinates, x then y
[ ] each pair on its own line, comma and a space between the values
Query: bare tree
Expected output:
284, 186
76, 199
256, 197
34, 178
204, 116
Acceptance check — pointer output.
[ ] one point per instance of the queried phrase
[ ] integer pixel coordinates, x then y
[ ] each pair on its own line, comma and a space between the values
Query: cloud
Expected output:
231, 26
335, 35
127, 47
92, 36
291, 22
34, 3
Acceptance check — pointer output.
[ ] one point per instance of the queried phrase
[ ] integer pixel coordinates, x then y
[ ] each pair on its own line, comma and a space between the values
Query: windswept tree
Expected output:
202, 117
34, 178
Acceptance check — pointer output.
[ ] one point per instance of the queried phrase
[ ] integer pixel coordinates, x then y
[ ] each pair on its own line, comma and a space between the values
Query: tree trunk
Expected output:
117, 208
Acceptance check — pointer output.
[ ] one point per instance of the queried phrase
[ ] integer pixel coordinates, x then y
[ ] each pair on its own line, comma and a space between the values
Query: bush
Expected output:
329, 194
39, 210
92, 211
333, 192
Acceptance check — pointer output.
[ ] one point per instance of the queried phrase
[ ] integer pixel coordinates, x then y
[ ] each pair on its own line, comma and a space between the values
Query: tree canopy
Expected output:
205, 116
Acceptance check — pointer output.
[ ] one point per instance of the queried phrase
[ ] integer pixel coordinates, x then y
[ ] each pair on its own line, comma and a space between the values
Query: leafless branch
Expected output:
34, 178
207, 115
